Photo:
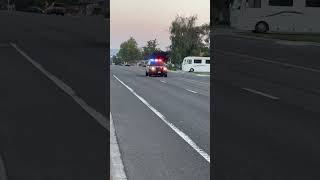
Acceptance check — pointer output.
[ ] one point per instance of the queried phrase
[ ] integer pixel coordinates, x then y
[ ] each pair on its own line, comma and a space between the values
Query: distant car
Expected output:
156, 67
56, 8
34, 9
127, 65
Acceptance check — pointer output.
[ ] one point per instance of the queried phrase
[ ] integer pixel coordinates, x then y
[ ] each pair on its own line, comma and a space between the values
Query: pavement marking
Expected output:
261, 93
163, 81
185, 137
191, 91
67, 89
270, 61
3, 172
116, 164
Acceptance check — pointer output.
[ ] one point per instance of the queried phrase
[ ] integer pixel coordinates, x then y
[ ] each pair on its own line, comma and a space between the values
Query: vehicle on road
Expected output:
156, 67
196, 64
34, 9
287, 16
56, 8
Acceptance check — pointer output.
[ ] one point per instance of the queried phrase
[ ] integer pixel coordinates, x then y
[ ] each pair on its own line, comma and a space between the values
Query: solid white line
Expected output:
270, 61
67, 89
174, 128
203, 75
260, 93
192, 91
116, 164
3, 172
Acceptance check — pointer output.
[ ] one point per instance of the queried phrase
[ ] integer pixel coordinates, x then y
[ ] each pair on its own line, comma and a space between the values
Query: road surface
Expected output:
46, 133
150, 115
266, 114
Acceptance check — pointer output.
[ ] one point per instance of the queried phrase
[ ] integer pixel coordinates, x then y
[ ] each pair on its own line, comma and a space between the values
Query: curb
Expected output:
116, 165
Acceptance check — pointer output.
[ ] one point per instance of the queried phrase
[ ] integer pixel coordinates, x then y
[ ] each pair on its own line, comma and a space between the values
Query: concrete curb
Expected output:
116, 165
3, 172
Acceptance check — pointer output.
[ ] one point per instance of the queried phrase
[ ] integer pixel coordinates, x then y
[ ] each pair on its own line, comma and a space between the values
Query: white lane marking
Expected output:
3, 172
116, 164
67, 89
270, 61
193, 81
260, 93
203, 75
163, 81
192, 91
185, 137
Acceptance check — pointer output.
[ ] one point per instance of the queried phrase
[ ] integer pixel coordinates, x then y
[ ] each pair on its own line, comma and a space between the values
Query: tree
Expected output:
129, 51
185, 38
150, 48
205, 37
115, 60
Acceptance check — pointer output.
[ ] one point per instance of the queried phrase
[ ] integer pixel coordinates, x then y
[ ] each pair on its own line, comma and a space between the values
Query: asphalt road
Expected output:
44, 132
150, 148
266, 113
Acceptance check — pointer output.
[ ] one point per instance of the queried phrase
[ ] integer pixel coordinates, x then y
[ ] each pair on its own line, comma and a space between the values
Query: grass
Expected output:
314, 37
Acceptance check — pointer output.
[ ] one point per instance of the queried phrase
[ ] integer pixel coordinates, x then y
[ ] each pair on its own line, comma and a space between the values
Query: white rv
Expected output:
196, 64
289, 16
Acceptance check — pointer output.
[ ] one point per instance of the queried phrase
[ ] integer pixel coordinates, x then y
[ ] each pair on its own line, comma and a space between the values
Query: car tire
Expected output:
191, 70
261, 27
147, 74
165, 75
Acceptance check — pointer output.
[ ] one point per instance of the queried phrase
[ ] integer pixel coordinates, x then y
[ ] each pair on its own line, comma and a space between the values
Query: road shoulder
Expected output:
116, 164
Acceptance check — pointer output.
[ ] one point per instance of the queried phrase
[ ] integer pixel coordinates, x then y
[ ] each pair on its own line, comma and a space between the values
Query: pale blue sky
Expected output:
149, 19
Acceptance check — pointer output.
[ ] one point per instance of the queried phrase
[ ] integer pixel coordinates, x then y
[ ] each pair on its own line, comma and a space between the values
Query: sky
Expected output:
149, 19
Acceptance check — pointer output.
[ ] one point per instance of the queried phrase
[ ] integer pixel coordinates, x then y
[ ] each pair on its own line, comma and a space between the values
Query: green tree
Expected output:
129, 51
150, 48
185, 38
116, 60
205, 37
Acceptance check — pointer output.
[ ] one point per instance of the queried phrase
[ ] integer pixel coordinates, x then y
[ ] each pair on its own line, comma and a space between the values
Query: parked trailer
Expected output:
287, 16
196, 64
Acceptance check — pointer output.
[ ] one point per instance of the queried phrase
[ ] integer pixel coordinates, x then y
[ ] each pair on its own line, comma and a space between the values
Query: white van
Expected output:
196, 64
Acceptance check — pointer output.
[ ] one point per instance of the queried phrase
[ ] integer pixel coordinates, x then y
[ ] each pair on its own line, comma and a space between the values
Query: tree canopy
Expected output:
129, 51
187, 39
150, 48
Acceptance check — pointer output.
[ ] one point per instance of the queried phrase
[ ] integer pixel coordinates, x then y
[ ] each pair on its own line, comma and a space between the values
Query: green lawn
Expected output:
288, 37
